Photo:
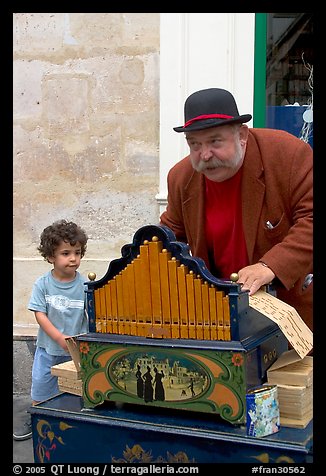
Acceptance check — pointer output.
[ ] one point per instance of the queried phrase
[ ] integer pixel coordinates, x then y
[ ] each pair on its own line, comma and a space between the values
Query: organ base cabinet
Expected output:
201, 376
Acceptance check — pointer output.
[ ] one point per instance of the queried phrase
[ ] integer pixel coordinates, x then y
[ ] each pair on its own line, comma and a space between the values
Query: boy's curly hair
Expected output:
61, 230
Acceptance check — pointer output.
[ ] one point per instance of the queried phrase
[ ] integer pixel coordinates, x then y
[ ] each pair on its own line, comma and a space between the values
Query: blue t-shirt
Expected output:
64, 305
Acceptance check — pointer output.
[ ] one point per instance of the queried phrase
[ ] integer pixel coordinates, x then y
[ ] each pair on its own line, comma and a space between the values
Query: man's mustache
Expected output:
213, 163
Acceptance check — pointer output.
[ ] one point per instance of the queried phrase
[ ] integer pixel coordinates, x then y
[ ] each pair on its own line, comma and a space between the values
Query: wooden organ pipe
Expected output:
156, 296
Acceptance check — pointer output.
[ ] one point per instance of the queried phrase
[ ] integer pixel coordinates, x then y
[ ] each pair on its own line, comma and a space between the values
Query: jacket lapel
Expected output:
253, 191
194, 214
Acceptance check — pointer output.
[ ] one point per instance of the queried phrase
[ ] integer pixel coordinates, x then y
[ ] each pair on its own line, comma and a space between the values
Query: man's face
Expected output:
218, 152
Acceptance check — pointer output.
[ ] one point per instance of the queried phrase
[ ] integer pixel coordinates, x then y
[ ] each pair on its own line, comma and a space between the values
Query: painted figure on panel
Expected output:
148, 386
159, 389
140, 383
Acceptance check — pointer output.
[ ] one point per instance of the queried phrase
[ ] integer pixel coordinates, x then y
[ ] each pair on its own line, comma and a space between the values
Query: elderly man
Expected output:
243, 200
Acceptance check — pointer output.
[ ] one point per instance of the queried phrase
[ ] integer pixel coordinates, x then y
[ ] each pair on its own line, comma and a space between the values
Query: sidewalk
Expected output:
23, 353
22, 450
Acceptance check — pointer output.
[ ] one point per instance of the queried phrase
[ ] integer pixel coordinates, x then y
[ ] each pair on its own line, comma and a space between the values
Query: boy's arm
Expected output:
47, 326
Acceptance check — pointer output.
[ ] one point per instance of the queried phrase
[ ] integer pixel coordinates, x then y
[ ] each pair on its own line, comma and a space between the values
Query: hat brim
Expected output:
207, 123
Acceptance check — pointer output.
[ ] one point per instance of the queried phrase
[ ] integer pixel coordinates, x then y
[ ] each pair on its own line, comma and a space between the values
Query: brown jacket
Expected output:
277, 186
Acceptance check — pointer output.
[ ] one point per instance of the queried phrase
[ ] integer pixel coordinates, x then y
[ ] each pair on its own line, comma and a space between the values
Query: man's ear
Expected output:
243, 133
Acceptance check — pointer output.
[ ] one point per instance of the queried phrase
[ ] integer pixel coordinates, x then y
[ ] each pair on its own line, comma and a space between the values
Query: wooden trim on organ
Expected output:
156, 296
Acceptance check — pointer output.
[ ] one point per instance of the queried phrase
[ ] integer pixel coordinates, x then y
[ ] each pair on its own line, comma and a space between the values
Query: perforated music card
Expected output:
287, 318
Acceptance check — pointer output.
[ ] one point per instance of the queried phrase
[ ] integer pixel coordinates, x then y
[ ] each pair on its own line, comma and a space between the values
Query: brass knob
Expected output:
234, 277
91, 276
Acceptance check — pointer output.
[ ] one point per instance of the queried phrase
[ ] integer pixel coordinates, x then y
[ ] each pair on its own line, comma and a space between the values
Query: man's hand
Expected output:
254, 276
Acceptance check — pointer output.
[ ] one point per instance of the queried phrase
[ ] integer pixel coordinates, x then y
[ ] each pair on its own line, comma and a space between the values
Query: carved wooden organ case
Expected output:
165, 332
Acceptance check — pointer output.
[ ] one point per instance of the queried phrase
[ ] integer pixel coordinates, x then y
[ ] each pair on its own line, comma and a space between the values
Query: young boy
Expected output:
58, 301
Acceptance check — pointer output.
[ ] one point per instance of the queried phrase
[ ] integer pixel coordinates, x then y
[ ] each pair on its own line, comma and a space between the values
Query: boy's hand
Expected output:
62, 342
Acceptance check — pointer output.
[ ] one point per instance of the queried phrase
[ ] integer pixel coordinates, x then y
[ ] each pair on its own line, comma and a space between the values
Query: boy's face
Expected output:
66, 260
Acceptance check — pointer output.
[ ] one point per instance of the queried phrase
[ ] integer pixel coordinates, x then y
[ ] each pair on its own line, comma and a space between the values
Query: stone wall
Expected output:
86, 135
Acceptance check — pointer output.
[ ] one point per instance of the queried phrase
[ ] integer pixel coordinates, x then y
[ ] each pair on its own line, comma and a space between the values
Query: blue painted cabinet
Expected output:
64, 431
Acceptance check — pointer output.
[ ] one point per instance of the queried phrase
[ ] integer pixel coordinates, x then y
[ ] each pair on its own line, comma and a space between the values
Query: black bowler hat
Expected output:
210, 108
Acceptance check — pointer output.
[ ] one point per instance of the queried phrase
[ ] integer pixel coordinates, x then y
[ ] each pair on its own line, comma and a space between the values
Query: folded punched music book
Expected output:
294, 379
69, 373
288, 320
